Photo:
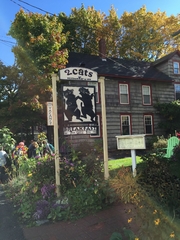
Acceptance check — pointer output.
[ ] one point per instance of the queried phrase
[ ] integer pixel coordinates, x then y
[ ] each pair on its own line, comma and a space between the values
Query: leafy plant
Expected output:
161, 142
7, 140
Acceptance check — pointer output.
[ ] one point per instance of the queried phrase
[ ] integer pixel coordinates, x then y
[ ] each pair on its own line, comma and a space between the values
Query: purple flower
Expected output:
42, 210
48, 190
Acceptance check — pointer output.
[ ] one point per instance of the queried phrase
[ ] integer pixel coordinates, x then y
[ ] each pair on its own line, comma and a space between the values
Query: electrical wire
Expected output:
20, 5
35, 7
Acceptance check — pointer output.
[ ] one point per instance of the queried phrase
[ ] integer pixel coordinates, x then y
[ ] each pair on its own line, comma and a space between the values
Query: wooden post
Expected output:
56, 138
104, 128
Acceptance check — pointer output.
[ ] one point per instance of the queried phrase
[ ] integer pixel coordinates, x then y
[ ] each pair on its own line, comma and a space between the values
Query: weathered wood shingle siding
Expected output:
167, 68
164, 67
135, 108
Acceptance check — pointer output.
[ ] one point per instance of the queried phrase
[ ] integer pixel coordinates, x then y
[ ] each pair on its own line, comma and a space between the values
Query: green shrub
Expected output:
157, 178
90, 196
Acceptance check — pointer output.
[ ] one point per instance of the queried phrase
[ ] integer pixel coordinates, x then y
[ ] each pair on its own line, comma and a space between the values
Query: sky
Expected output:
9, 8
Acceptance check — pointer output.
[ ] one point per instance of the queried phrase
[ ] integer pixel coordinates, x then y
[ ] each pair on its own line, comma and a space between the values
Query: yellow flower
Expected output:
157, 221
30, 174
35, 189
155, 211
136, 238
172, 235
129, 220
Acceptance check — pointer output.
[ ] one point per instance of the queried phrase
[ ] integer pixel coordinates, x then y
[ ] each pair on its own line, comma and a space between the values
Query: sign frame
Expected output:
78, 74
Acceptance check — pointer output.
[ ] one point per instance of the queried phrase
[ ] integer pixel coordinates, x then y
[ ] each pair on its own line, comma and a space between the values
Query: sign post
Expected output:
56, 138
104, 128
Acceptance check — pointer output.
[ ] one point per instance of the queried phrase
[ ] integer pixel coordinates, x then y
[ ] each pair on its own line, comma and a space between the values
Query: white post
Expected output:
104, 128
56, 139
133, 156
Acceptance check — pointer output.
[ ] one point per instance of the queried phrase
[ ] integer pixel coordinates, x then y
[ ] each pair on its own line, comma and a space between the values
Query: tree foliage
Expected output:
41, 37
170, 115
19, 100
148, 36
141, 35
43, 42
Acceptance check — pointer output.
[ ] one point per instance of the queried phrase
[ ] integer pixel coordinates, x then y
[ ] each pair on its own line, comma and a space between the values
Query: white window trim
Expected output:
129, 120
176, 68
148, 115
120, 84
175, 90
146, 95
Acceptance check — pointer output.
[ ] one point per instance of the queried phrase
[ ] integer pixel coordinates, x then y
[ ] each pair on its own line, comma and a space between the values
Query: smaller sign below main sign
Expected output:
78, 74
80, 130
125, 142
50, 114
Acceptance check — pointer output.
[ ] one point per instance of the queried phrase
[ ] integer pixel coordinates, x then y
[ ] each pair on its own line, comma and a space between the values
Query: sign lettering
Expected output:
77, 73
50, 114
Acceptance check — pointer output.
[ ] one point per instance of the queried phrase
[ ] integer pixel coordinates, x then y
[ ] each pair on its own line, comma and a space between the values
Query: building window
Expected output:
176, 67
125, 125
146, 95
148, 124
124, 93
98, 134
177, 91
96, 85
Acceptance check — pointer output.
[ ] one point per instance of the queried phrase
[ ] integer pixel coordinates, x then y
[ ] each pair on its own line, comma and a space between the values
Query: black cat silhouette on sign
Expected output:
79, 104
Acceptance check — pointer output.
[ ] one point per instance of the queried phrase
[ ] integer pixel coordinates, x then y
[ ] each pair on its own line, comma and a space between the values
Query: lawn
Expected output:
117, 163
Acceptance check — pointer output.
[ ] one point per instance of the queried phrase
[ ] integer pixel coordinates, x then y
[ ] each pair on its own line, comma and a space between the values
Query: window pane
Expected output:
148, 124
148, 129
146, 94
177, 91
125, 125
146, 90
146, 99
123, 88
125, 130
124, 98
176, 67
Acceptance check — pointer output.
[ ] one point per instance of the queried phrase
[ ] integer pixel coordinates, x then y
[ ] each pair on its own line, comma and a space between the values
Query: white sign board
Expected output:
129, 142
80, 130
78, 74
50, 114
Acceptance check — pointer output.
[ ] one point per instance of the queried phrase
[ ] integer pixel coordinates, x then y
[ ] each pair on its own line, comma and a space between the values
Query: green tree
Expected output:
170, 115
19, 100
40, 37
148, 36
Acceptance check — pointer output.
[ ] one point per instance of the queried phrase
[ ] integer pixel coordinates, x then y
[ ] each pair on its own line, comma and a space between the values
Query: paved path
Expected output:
99, 226
10, 229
